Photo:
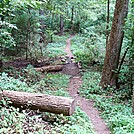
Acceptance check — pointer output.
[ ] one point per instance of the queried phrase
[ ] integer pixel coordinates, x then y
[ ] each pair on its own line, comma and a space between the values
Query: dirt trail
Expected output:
68, 47
86, 105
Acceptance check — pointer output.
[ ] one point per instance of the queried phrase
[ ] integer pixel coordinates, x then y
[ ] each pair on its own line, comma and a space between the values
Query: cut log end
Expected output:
72, 107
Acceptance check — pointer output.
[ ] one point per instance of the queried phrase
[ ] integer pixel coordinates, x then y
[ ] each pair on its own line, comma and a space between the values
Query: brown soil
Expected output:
68, 45
86, 105
17, 63
20, 63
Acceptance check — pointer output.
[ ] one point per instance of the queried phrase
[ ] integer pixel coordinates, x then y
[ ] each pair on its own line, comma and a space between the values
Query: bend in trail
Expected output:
86, 105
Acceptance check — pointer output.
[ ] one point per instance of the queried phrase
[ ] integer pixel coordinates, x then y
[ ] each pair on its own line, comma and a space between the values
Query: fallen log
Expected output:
49, 68
42, 102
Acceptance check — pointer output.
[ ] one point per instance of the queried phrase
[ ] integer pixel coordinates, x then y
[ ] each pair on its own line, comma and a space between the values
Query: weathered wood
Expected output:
42, 102
50, 68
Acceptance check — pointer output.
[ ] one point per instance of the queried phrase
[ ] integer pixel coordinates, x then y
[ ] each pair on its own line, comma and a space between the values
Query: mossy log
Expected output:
42, 102
49, 68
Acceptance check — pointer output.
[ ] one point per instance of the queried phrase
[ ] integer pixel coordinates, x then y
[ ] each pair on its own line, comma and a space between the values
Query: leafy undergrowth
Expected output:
116, 110
56, 48
86, 49
15, 120
34, 122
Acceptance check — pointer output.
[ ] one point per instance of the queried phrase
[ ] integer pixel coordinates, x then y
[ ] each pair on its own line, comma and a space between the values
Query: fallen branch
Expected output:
42, 102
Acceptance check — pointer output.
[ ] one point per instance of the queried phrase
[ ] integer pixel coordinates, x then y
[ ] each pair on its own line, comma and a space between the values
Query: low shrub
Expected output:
114, 104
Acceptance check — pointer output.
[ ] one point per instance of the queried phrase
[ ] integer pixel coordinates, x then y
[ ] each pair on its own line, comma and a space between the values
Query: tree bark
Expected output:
108, 17
49, 68
1, 63
113, 47
61, 25
131, 64
133, 102
72, 16
42, 102
41, 13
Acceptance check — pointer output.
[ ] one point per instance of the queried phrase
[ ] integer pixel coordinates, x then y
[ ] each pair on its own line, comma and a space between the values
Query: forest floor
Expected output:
71, 68
86, 105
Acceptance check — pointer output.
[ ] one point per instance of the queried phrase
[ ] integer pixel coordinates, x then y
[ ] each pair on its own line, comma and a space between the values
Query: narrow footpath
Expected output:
86, 105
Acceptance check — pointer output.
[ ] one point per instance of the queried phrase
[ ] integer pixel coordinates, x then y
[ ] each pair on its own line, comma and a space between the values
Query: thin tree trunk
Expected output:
107, 27
1, 63
133, 101
28, 34
122, 60
41, 13
113, 48
131, 64
72, 16
61, 25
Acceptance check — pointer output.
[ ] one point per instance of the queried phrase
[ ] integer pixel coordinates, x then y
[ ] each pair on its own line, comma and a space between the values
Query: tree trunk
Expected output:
41, 13
108, 17
42, 102
131, 64
61, 25
72, 16
113, 47
1, 63
50, 68
133, 102
28, 36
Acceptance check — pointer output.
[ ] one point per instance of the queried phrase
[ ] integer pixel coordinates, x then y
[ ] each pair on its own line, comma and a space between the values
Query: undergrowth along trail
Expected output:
86, 105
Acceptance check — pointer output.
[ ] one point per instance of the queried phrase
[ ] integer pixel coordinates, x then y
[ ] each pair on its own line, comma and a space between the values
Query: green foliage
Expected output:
91, 89
30, 75
90, 84
27, 36
73, 124
31, 81
85, 50
56, 48
11, 121
114, 104
29, 23
118, 116
20, 25
20, 29
10, 83
126, 72
14, 120
54, 84
6, 40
